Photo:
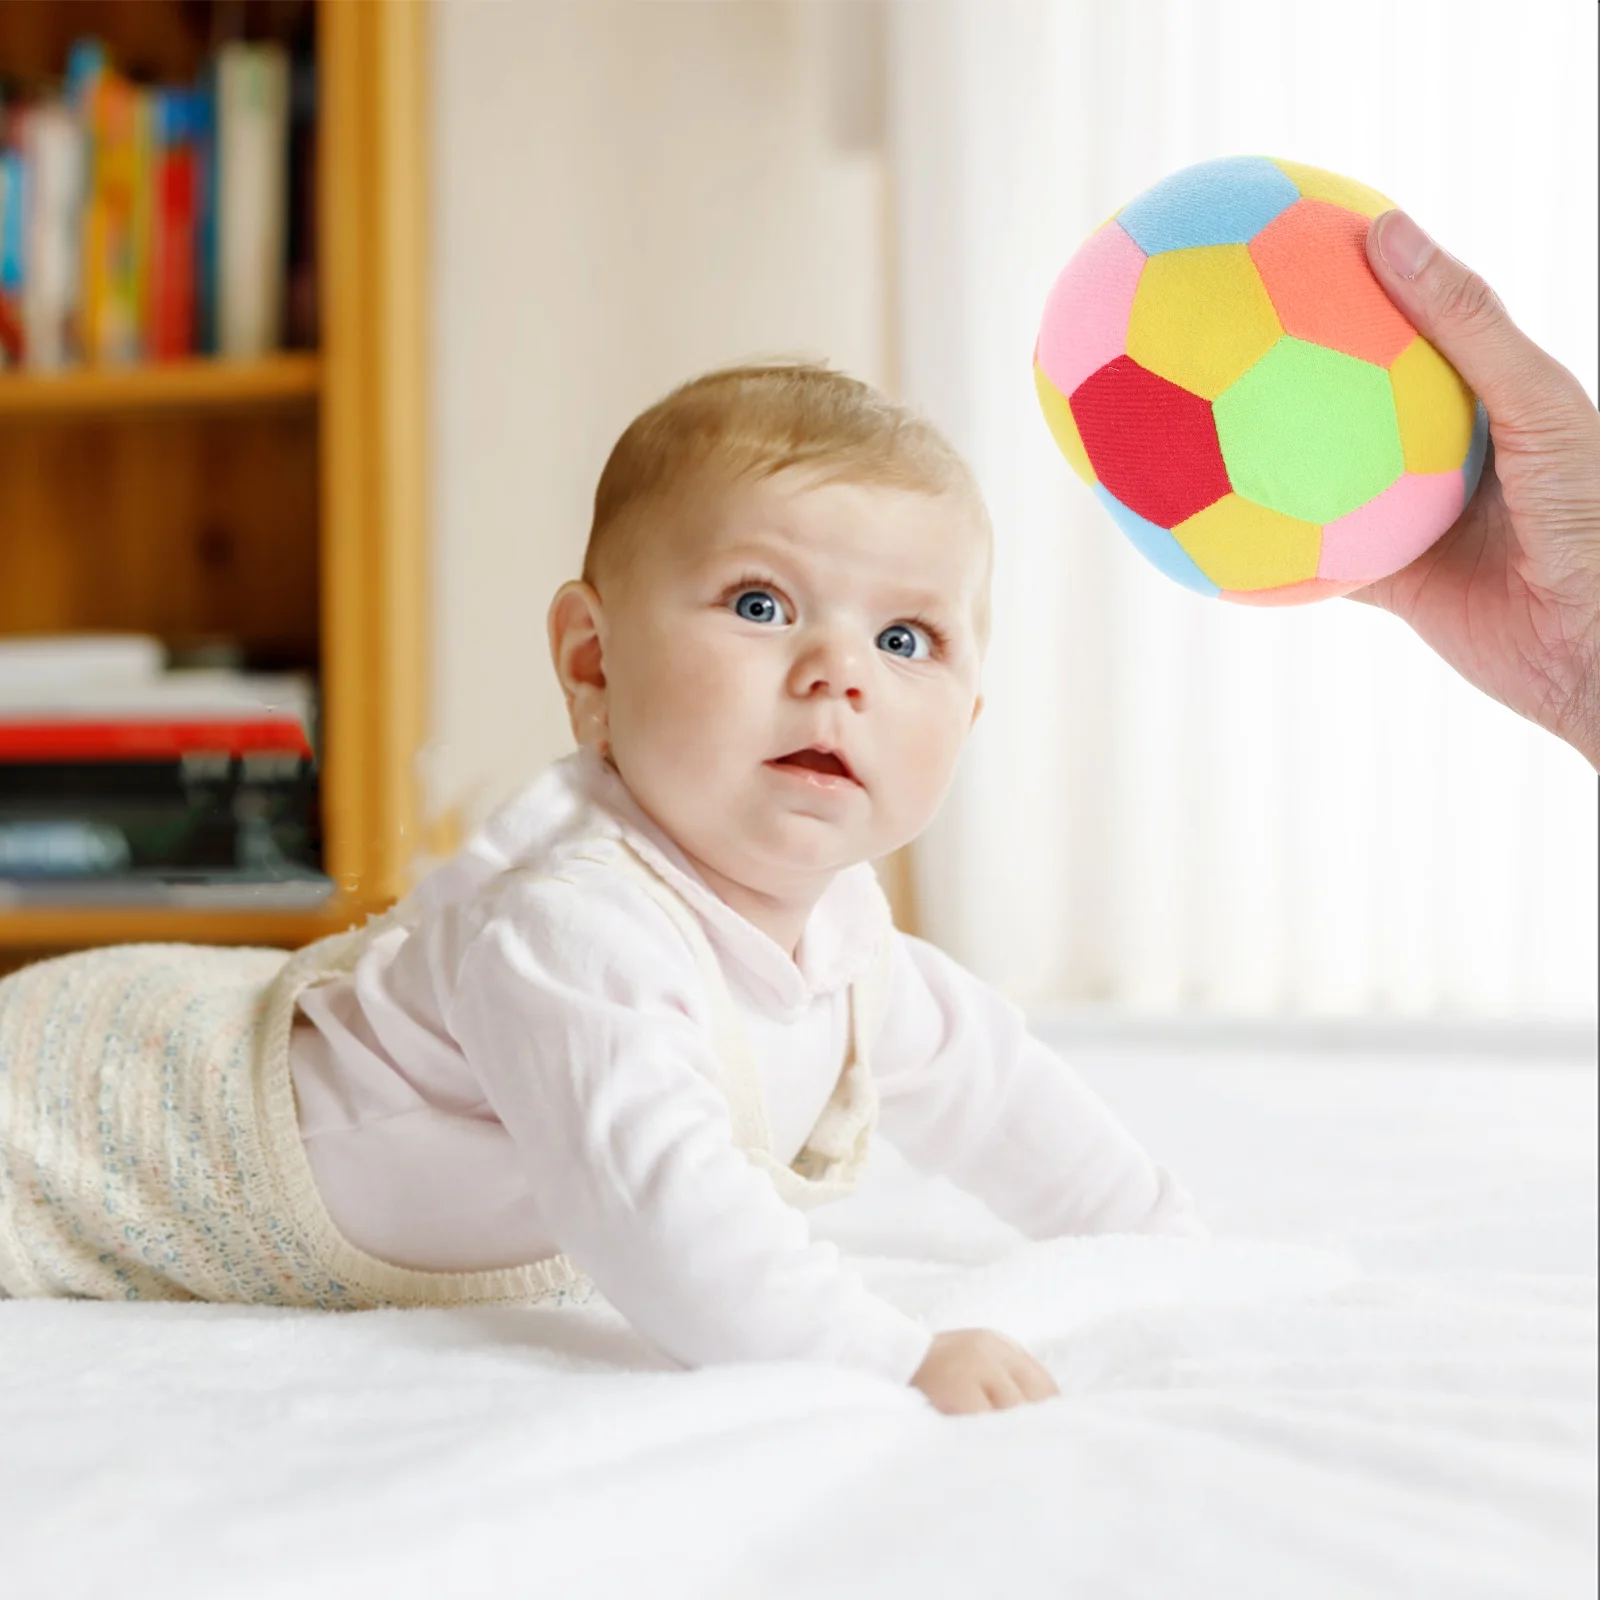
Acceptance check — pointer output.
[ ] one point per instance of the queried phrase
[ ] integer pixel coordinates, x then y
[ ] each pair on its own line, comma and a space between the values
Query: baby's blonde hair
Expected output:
747, 422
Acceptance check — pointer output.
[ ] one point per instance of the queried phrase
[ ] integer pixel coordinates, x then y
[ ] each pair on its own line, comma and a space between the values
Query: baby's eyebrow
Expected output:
753, 550
723, 561
920, 600
777, 552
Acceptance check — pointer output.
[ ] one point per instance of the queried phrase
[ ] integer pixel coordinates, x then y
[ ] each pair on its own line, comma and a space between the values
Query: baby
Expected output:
657, 1006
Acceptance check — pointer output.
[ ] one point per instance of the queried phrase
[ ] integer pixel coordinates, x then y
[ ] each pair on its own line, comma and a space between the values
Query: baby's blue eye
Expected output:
905, 641
759, 605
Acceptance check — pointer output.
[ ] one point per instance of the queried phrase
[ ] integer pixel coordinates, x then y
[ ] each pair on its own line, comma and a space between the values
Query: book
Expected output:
53, 151
170, 317
252, 143
114, 213
13, 209
107, 698
191, 891
204, 818
61, 659
190, 694
204, 112
142, 738
62, 849
206, 812
302, 315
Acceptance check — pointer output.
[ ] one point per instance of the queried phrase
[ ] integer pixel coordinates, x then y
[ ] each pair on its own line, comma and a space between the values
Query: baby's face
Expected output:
789, 675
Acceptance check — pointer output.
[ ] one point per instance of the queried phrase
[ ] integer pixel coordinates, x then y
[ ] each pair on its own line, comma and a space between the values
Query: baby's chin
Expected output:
777, 856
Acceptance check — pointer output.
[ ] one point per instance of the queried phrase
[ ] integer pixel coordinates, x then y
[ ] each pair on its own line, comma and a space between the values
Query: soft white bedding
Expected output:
1380, 1381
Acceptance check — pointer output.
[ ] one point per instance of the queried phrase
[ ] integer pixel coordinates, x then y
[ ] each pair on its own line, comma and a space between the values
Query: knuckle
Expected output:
1469, 301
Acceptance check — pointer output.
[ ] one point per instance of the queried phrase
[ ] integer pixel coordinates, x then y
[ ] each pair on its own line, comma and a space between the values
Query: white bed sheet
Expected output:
1380, 1381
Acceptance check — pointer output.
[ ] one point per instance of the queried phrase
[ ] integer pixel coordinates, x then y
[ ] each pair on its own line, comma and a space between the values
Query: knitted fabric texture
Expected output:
1220, 366
150, 1147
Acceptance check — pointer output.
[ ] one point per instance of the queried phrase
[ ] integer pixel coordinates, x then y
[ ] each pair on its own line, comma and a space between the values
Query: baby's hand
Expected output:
972, 1369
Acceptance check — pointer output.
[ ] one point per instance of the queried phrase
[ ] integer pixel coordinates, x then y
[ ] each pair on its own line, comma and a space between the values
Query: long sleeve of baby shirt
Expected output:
970, 1094
594, 1051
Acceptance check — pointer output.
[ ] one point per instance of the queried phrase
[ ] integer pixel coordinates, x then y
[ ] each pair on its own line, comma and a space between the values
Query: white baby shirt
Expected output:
528, 1069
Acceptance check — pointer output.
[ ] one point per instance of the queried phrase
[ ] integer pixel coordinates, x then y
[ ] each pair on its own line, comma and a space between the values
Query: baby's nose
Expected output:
830, 664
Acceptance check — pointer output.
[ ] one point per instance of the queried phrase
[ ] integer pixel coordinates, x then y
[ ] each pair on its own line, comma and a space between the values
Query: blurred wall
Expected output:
624, 195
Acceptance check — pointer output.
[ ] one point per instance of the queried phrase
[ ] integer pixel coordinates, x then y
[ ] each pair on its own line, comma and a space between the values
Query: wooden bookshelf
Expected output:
278, 503
289, 379
37, 931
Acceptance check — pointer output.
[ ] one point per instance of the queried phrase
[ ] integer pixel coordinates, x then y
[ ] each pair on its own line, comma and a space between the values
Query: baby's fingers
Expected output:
1003, 1391
965, 1400
1032, 1379
970, 1370
1021, 1381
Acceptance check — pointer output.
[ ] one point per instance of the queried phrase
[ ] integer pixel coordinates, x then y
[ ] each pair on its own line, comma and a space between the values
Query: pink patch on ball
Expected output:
1392, 529
1289, 594
1085, 321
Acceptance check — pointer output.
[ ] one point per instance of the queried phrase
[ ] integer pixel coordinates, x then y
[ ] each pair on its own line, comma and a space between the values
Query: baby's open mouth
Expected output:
825, 763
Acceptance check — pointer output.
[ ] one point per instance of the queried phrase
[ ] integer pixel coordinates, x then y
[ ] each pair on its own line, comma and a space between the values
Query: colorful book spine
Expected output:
54, 154
13, 210
135, 283
118, 175
252, 197
110, 218
170, 316
85, 67
206, 184
302, 310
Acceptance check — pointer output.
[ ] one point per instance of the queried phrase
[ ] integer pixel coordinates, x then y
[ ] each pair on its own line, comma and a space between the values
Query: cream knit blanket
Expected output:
150, 1147
150, 1144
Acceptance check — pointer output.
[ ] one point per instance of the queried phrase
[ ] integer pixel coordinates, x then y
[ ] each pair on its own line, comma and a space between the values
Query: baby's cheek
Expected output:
925, 758
668, 693
693, 668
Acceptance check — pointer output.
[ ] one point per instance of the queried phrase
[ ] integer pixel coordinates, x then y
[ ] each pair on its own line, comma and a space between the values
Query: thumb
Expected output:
1464, 319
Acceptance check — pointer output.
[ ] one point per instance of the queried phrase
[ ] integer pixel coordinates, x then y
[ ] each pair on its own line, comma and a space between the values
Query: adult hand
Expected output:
1510, 596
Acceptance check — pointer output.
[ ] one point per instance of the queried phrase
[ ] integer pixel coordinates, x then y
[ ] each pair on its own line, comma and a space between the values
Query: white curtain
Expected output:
1172, 803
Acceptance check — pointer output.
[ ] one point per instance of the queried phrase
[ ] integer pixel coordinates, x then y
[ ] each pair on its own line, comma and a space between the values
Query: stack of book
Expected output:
125, 783
152, 223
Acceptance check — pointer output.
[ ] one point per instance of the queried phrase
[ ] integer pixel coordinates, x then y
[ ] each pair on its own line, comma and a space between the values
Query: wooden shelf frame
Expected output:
373, 225
289, 379
36, 931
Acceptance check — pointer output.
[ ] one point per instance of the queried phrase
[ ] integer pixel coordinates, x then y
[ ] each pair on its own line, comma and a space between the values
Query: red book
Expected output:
176, 184
155, 740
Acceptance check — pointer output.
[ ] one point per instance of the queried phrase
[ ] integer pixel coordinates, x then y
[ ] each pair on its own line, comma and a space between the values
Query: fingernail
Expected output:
1403, 245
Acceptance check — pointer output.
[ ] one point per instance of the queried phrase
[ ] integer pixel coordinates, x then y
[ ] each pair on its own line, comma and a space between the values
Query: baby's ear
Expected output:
977, 711
576, 626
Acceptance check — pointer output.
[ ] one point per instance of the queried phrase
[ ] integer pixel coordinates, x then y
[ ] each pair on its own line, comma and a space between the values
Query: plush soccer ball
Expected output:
1218, 363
